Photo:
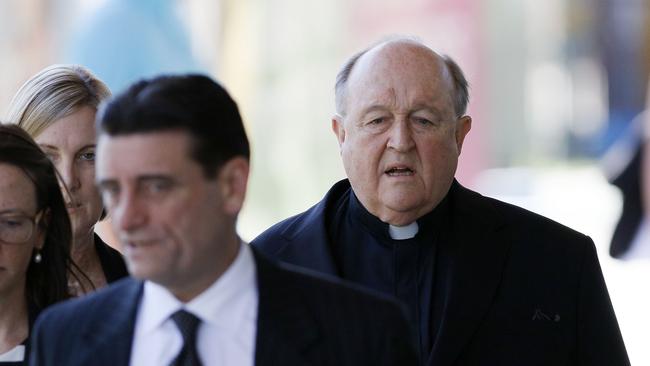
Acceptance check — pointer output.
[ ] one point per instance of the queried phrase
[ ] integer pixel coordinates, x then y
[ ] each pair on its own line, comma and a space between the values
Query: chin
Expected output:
403, 202
138, 272
407, 210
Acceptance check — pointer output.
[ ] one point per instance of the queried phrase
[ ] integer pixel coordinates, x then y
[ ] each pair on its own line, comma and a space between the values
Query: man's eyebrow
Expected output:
139, 179
150, 177
422, 107
373, 108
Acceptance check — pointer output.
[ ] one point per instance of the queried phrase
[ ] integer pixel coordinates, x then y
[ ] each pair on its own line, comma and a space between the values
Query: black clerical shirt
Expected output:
365, 253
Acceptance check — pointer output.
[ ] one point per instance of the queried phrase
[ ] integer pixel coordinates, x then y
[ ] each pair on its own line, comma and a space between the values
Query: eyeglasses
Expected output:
17, 229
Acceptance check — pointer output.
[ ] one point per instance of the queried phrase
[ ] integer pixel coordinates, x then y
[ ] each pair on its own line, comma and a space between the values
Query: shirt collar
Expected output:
223, 304
403, 232
423, 227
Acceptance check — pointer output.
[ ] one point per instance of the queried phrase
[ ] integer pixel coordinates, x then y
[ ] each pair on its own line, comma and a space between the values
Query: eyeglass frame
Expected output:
34, 220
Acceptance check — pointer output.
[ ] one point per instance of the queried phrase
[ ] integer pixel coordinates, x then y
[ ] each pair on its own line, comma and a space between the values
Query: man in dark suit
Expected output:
172, 167
484, 282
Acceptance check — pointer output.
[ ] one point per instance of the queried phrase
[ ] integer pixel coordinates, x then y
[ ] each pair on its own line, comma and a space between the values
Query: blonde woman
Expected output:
57, 108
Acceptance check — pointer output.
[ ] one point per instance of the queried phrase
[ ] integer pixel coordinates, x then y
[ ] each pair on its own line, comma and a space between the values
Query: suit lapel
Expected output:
109, 337
476, 250
286, 331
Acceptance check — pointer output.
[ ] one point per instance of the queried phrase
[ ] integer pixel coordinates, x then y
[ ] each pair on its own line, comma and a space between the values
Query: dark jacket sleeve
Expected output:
44, 340
599, 337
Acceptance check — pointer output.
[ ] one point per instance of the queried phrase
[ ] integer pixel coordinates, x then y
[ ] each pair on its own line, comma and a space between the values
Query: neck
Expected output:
89, 272
83, 248
399, 219
14, 319
192, 288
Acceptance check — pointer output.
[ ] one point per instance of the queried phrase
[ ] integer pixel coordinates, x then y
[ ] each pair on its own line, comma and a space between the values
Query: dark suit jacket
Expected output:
302, 320
519, 289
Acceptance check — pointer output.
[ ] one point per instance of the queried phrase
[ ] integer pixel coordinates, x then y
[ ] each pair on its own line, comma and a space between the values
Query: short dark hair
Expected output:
460, 98
195, 104
47, 281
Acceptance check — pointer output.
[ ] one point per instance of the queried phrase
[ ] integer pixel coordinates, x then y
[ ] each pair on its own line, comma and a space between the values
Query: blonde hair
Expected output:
55, 92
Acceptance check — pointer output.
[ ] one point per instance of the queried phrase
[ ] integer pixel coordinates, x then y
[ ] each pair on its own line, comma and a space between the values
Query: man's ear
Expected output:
338, 128
233, 179
464, 124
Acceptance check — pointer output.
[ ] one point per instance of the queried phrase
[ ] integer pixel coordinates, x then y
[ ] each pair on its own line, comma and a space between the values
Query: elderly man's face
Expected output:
399, 136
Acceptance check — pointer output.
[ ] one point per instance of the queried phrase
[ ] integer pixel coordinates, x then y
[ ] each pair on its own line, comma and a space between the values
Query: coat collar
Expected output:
477, 247
308, 238
109, 337
286, 330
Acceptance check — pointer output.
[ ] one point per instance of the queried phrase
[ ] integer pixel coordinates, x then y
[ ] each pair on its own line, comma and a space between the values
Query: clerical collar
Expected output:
425, 225
403, 232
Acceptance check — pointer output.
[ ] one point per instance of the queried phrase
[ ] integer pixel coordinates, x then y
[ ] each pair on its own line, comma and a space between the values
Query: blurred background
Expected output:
558, 88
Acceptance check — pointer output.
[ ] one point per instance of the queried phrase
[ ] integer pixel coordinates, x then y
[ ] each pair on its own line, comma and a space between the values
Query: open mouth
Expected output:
399, 171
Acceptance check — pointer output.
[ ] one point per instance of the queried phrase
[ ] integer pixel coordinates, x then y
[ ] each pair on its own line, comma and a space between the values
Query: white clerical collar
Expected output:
403, 232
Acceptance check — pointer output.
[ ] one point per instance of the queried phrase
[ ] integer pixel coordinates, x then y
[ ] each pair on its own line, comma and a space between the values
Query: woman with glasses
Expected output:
35, 239
57, 108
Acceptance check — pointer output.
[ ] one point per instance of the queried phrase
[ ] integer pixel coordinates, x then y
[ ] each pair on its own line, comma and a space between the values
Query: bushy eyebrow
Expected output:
155, 177
414, 109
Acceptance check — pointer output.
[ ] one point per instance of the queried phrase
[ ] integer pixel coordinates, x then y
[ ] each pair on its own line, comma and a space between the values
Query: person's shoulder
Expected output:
519, 218
374, 323
322, 288
278, 231
275, 237
86, 308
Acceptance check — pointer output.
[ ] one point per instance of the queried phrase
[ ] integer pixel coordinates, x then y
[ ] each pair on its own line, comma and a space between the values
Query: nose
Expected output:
400, 136
129, 214
69, 176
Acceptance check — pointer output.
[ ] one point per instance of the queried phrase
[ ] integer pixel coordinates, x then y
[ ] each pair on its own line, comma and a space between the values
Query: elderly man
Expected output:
172, 166
484, 282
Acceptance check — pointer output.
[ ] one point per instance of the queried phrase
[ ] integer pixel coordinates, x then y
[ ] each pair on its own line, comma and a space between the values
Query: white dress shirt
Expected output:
228, 313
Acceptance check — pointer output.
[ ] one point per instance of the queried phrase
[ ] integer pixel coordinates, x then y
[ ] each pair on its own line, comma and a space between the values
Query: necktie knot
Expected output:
187, 323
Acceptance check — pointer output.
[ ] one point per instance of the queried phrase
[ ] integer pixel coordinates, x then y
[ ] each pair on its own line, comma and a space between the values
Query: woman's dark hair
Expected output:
47, 281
